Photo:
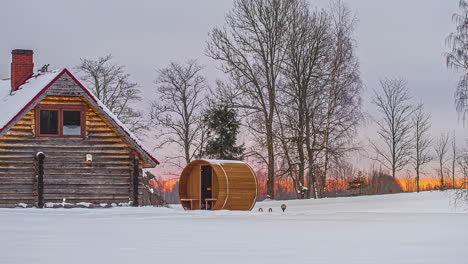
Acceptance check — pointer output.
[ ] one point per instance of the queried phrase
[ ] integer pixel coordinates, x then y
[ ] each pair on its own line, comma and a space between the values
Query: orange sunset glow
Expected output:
286, 185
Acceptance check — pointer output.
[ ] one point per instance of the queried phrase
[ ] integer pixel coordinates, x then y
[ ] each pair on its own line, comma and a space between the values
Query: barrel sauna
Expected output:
218, 185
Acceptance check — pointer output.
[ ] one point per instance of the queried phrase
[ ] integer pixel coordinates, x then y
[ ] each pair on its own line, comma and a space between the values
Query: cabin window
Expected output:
60, 121
49, 122
71, 123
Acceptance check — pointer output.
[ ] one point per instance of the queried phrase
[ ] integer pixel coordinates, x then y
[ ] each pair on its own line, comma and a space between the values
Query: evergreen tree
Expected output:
223, 127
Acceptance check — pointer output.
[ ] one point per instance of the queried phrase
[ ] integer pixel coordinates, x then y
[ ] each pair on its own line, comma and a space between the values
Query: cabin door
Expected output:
206, 185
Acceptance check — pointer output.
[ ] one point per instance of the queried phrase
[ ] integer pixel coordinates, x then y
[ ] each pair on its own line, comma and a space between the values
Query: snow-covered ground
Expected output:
400, 228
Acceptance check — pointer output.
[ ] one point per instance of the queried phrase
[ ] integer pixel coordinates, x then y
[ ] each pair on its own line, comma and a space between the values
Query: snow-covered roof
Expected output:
219, 162
12, 104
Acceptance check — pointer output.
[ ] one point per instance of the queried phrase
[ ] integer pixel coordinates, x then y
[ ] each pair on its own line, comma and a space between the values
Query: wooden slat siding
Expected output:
242, 188
17, 169
234, 184
65, 86
67, 174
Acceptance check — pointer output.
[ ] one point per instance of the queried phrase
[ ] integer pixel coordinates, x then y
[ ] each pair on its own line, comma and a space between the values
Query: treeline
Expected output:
293, 74
292, 87
292, 83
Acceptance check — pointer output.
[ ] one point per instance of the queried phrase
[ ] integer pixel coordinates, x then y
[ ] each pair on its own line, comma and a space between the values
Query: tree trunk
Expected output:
271, 163
417, 178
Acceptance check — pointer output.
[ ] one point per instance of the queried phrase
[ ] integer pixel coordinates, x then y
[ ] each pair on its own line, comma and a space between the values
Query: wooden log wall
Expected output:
234, 184
67, 175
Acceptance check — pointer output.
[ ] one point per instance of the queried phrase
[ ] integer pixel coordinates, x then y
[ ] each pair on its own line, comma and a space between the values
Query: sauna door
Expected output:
206, 185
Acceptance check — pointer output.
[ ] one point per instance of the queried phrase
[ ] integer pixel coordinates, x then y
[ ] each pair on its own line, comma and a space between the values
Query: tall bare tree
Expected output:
453, 158
177, 109
318, 108
462, 193
457, 56
422, 142
441, 148
250, 48
463, 165
309, 33
112, 85
342, 90
394, 128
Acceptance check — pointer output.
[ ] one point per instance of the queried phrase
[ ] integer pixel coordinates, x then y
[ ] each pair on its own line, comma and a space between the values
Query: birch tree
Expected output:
457, 56
457, 60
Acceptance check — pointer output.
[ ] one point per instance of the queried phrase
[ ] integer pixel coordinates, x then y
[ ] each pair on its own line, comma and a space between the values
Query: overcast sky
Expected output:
399, 38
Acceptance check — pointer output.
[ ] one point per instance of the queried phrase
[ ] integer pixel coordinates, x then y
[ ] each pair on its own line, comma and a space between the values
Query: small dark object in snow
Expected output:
270, 210
260, 209
283, 207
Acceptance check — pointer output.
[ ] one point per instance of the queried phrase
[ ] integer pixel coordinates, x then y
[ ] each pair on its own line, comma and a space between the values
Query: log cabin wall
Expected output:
108, 179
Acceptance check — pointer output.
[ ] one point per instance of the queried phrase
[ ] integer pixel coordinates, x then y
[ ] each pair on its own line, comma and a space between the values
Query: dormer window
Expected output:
60, 121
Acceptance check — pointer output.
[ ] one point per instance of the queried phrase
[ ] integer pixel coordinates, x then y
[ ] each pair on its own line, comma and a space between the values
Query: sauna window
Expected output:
61, 121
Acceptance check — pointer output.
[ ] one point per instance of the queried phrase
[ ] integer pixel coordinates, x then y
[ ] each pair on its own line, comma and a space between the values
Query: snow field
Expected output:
399, 228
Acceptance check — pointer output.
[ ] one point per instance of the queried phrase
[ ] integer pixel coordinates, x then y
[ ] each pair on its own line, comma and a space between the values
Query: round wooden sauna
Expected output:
218, 185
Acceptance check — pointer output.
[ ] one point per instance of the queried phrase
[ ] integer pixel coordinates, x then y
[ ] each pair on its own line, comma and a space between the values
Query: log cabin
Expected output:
60, 145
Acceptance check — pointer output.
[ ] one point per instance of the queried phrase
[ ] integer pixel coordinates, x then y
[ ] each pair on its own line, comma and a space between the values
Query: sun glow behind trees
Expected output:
286, 186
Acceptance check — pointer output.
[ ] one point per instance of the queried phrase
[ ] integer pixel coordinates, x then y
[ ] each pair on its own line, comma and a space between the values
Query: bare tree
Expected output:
394, 128
177, 109
463, 165
454, 158
462, 193
113, 87
318, 106
457, 57
422, 141
251, 50
342, 90
310, 41
441, 148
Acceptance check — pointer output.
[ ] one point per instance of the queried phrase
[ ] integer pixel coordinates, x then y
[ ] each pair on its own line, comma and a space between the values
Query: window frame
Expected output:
60, 109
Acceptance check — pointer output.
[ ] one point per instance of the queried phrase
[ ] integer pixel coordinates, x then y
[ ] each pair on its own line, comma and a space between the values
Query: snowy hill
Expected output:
399, 228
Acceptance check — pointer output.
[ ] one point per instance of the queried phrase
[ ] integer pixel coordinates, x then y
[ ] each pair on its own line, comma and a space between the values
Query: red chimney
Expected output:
21, 67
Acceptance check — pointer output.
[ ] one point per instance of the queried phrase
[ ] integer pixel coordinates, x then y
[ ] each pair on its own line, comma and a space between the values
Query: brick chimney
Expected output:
21, 67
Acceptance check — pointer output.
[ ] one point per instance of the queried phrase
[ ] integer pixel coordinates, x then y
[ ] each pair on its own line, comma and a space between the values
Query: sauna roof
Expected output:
219, 162
13, 104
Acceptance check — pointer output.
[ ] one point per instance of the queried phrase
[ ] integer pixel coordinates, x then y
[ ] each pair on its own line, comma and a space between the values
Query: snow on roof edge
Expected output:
220, 162
14, 103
